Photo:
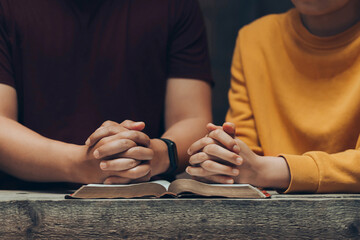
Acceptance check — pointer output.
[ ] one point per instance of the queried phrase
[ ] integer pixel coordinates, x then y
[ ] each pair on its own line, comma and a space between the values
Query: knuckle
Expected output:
141, 137
207, 141
215, 133
207, 164
198, 158
191, 161
126, 123
125, 134
92, 138
147, 168
107, 122
232, 143
211, 148
103, 131
112, 130
134, 151
119, 144
146, 137
137, 135
126, 143
133, 163
104, 141
202, 171
109, 164
203, 156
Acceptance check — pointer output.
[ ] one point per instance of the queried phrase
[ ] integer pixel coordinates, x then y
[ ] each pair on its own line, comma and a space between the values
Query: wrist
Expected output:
161, 162
74, 164
276, 173
61, 158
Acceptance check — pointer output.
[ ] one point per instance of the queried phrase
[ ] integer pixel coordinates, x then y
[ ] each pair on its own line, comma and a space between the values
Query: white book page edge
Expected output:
163, 183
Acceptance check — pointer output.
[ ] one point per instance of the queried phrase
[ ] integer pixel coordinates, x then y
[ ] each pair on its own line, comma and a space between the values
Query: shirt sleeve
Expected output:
6, 71
240, 112
188, 51
320, 172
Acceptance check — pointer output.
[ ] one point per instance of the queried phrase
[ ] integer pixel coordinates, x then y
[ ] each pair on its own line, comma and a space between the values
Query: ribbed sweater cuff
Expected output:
304, 174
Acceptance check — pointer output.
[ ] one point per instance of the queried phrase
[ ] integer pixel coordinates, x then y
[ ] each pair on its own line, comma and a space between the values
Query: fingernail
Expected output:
107, 182
188, 152
87, 142
239, 160
187, 170
235, 171
230, 181
96, 154
236, 149
103, 165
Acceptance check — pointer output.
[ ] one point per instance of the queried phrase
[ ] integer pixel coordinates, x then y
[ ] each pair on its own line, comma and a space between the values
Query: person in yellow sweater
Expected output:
295, 101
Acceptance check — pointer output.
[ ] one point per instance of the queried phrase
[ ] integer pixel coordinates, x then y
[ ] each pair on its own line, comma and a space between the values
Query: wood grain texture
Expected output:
49, 216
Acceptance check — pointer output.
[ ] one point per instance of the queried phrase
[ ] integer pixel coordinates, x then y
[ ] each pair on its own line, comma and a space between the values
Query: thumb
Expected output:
229, 128
211, 127
131, 125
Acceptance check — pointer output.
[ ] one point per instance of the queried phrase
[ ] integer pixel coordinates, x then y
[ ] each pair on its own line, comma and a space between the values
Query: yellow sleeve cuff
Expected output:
304, 174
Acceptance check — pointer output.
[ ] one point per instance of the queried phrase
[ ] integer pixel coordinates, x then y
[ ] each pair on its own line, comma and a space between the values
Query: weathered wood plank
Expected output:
50, 216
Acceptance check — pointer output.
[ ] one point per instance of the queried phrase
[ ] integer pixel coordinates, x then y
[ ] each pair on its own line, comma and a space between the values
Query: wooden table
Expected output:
46, 215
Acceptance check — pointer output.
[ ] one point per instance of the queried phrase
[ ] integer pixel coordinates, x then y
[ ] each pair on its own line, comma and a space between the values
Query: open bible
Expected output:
162, 188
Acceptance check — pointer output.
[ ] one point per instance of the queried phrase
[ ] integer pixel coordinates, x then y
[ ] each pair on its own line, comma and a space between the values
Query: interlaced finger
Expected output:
119, 164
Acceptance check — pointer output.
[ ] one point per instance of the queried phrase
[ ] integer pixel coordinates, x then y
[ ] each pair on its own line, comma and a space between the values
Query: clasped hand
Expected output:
221, 158
122, 150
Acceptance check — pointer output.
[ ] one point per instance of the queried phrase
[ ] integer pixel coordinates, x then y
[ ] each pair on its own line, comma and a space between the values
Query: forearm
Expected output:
30, 156
187, 111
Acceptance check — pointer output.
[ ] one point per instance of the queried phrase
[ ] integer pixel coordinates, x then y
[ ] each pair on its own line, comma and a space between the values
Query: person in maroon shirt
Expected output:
67, 66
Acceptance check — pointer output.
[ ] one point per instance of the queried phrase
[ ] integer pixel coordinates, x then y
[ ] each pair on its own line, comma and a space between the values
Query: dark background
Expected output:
223, 19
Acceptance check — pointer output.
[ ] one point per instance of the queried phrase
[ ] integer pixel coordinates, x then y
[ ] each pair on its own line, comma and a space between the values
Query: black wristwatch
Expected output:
173, 157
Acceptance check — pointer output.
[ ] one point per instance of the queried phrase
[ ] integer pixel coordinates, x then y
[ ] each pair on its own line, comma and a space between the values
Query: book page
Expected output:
135, 190
220, 190
163, 183
229, 185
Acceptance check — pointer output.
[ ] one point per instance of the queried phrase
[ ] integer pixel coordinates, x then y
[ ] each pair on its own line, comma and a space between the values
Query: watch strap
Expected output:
173, 156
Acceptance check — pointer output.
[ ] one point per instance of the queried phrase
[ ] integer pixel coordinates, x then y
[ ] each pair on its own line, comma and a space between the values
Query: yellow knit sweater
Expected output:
297, 96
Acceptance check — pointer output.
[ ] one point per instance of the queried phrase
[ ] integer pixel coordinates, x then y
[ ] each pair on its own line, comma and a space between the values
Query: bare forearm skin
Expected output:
32, 157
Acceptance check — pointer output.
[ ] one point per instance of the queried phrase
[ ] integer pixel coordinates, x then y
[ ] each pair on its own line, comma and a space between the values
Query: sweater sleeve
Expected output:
320, 172
240, 112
